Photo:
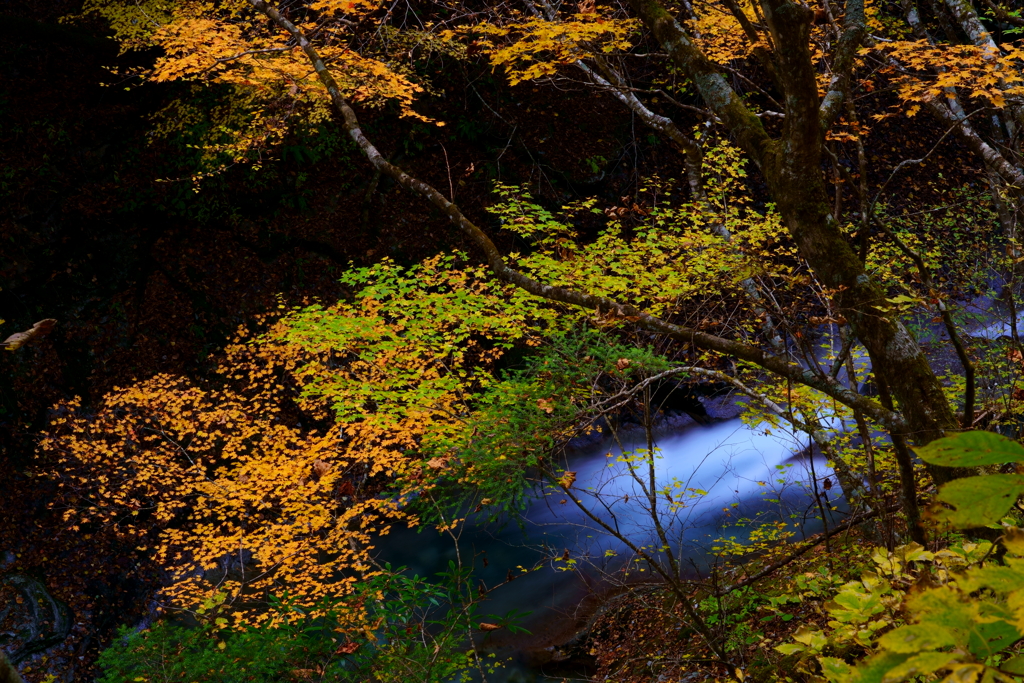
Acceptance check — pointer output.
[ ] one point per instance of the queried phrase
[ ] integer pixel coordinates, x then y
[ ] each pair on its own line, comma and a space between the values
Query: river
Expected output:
715, 474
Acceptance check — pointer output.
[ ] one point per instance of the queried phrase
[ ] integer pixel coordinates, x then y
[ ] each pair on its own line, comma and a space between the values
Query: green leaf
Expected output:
835, 669
970, 673
1014, 665
874, 669
916, 637
1004, 579
971, 449
924, 663
854, 604
979, 501
944, 606
1013, 539
991, 637
812, 638
914, 552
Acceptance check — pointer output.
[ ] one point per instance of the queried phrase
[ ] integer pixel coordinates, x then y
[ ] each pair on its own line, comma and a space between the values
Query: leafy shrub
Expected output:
957, 611
172, 652
415, 630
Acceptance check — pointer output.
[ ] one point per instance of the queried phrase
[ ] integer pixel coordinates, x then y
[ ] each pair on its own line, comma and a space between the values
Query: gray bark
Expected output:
792, 168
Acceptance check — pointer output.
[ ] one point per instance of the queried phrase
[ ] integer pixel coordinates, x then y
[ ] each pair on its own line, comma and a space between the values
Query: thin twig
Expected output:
808, 545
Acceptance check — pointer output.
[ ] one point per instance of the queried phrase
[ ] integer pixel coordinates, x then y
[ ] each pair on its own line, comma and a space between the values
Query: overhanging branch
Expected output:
745, 352
711, 84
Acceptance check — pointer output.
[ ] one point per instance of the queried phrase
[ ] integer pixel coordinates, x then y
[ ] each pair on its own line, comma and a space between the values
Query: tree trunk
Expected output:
792, 166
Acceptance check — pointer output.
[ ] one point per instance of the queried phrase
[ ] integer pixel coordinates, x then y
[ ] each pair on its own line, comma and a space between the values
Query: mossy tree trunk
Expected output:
792, 166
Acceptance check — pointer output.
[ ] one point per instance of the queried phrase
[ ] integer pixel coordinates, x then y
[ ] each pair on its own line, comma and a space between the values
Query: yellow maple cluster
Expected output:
240, 498
277, 476
533, 48
935, 71
720, 35
268, 79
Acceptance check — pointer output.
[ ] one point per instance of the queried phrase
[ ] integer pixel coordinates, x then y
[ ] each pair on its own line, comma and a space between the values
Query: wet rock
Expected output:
31, 620
680, 398
722, 407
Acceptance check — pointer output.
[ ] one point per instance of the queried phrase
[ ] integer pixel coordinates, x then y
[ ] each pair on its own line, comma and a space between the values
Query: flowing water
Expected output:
716, 474
732, 471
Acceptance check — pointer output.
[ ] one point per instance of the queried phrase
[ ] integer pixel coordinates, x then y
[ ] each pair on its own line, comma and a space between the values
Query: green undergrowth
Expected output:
858, 612
952, 613
416, 632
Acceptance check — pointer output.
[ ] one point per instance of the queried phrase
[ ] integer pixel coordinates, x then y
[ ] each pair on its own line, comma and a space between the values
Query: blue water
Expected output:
715, 474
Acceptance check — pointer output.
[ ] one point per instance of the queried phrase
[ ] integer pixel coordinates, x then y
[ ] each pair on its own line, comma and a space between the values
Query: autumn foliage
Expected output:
233, 498
276, 473
266, 79
276, 477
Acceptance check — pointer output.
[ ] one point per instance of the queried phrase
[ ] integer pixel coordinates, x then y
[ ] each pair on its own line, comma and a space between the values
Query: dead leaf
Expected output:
484, 626
546, 404
622, 363
19, 339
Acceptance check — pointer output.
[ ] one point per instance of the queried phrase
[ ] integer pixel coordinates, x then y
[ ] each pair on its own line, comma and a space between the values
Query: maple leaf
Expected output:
535, 48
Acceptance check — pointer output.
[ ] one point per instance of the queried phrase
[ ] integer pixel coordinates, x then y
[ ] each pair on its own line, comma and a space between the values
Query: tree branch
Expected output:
713, 87
742, 351
947, 319
854, 29
802, 550
1002, 15
992, 157
764, 57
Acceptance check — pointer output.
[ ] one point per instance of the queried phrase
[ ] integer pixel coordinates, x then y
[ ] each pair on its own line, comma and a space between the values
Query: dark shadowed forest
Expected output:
511, 341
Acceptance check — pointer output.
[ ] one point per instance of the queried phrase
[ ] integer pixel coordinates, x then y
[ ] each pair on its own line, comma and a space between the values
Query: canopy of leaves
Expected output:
528, 49
266, 77
982, 73
279, 476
